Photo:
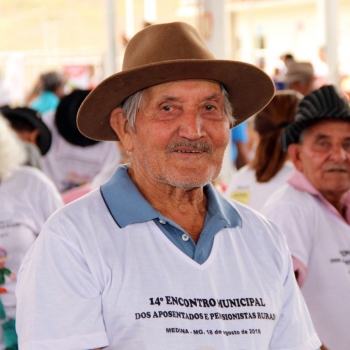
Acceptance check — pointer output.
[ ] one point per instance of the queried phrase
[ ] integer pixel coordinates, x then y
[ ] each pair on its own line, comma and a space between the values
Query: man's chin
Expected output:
337, 178
185, 185
336, 187
185, 179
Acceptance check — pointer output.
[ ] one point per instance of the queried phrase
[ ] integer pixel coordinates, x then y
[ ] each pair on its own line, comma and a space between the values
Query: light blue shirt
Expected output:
127, 206
46, 101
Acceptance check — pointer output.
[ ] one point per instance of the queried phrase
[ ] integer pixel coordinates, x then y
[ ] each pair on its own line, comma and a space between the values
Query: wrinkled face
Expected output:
324, 156
181, 133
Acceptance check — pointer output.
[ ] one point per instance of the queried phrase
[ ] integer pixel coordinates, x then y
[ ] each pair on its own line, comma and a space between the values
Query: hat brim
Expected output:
249, 89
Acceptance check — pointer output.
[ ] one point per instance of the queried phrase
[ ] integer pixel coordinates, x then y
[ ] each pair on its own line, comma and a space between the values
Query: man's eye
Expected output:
209, 107
322, 143
166, 108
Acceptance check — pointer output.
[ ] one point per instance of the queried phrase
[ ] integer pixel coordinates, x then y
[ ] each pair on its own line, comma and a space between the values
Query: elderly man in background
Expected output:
300, 77
313, 210
156, 259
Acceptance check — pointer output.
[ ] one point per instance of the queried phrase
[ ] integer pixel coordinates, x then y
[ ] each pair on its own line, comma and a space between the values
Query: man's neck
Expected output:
186, 207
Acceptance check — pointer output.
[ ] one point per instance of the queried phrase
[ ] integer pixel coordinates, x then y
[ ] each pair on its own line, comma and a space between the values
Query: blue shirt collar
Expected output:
127, 206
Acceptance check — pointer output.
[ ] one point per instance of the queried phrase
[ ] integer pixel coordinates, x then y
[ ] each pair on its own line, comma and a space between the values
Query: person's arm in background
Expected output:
242, 154
240, 145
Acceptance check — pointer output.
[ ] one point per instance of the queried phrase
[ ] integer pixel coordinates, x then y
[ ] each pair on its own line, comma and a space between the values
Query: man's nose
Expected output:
191, 125
339, 153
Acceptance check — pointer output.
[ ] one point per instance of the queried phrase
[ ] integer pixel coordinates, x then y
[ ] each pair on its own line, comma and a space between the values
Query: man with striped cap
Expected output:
313, 210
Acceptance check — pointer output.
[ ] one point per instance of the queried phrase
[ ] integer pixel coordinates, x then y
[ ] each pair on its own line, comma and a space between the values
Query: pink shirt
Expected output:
75, 193
299, 181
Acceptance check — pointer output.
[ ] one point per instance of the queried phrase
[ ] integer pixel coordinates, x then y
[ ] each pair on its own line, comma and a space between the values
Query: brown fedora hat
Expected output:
168, 52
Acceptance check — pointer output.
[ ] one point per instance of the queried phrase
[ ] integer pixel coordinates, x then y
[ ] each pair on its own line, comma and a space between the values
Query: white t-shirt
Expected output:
27, 199
87, 283
245, 189
69, 165
321, 241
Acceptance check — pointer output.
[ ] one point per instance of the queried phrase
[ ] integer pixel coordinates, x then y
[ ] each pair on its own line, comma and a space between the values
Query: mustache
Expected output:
196, 145
336, 167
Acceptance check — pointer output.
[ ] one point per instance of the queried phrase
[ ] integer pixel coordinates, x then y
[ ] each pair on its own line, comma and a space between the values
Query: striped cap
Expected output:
321, 104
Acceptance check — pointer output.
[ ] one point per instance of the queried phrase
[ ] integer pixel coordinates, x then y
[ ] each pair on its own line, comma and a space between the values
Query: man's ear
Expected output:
294, 151
121, 127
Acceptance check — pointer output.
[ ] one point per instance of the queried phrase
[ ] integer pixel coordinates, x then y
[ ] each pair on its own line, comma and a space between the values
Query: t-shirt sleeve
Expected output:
46, 199
59, 297
294, 329
290, 218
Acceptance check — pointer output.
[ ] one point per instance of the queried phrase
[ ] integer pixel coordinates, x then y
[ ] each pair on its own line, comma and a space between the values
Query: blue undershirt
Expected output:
127, 206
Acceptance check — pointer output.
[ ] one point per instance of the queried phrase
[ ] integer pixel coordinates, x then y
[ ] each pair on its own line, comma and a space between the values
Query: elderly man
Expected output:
313, 211
157, 259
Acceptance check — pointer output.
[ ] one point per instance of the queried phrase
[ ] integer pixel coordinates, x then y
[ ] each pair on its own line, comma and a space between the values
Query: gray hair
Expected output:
133, 104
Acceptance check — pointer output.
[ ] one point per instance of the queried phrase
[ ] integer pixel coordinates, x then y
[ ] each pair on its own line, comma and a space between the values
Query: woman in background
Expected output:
269, 169
27, 199
47, 92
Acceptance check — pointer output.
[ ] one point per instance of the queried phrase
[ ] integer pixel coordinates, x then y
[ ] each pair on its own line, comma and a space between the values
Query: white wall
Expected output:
287, 26
288, 29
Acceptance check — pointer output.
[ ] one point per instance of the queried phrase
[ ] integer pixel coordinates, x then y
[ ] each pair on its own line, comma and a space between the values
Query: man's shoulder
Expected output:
287, 194
28, 176
80, 213
289, 204
91, 201
26, 171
